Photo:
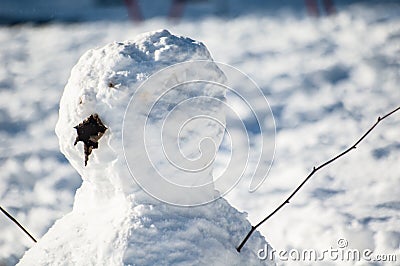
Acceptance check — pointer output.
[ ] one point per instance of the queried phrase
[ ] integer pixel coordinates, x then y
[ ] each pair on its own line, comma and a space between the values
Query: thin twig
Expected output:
17, 223
314, 170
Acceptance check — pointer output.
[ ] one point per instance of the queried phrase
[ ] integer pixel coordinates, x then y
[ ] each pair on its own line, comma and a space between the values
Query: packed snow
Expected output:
113, 221
326, 79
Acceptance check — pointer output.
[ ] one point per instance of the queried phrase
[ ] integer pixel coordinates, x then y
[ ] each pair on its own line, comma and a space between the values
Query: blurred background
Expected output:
44, 11
327, 67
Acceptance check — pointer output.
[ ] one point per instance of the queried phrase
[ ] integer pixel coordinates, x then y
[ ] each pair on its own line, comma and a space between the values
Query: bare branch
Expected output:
315, 169
17, 223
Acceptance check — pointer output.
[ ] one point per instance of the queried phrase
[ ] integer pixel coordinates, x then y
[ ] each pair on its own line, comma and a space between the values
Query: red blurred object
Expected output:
313, 8
177, 7
134, 10
329, 7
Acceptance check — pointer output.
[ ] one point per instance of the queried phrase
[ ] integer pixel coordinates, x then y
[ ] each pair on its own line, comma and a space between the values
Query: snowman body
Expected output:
114, 221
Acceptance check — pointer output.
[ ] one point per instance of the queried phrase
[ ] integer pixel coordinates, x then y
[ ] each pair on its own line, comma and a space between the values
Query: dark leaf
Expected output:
89, 132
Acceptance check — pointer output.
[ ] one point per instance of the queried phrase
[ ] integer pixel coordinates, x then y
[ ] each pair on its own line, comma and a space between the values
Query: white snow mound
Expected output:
113, 221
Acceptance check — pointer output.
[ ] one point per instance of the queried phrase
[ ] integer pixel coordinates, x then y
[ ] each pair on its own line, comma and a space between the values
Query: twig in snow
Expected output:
315, 169
17, 223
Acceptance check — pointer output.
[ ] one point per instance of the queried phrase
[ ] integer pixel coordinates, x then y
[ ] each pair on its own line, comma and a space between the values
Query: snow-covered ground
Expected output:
326, 80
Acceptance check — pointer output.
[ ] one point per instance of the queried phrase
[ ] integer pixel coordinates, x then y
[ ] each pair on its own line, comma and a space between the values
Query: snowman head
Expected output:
106, 87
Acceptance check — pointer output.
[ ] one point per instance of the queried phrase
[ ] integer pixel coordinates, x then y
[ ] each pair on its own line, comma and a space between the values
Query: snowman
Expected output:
132, 127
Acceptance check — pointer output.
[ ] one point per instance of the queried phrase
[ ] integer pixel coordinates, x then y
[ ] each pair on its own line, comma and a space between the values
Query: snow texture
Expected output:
113, 222
326, 79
